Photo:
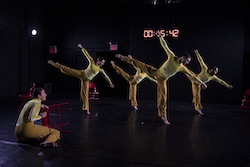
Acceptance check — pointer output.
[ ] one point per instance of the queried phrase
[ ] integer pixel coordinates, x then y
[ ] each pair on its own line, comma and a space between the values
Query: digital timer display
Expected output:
149, 33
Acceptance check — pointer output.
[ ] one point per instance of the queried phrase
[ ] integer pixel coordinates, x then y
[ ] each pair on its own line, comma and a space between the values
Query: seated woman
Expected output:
26, 128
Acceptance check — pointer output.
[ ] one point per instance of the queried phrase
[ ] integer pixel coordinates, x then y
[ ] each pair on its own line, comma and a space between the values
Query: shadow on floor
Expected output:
116, 135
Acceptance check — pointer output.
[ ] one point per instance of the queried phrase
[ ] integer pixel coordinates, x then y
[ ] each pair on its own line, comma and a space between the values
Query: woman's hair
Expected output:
212, 70
36, 92
100, 58
215, 68
187, 55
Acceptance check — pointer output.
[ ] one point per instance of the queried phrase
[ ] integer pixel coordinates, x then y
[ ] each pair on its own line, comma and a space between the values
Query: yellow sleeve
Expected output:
164, 45
106, 76
201, 61
151, 79
220, 81
190, 77
87, 55
190, 74
34, 112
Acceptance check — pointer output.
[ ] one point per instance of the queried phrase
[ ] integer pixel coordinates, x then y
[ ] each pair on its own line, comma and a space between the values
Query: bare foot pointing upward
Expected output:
112, 63
51, 62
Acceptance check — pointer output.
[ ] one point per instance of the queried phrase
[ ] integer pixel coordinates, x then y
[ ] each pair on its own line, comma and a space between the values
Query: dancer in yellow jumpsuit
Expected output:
169, 68
85, 75
27, 129
133, 80
205, 75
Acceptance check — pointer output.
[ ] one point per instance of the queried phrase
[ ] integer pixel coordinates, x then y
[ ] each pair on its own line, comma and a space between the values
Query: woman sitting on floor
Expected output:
26, 128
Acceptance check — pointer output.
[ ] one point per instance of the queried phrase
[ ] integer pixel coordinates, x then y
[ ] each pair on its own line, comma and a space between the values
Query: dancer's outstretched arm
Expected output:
192, 75
107, 78
151, 78
222, 82
200, 60
165, 46
86, 53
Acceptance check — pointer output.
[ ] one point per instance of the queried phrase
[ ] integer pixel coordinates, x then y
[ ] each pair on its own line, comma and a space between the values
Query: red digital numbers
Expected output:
174, 33
149, 33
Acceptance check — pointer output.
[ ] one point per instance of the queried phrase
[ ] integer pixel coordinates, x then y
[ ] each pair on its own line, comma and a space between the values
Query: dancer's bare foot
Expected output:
135, 107
119, 56
199, 111
49, 145
165, 120
51, 62
80, 46
87, 111
112, 63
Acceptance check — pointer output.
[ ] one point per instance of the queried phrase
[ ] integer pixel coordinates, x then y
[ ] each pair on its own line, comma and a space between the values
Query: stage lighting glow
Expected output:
34, 32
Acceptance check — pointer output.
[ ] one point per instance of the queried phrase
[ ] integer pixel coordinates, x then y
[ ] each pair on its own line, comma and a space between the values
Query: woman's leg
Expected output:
33, 131
150, 70
132, 95
69, 71
84, 93
196, 90
162, 100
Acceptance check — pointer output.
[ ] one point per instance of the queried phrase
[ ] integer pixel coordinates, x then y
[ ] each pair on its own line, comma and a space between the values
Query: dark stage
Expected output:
117, 136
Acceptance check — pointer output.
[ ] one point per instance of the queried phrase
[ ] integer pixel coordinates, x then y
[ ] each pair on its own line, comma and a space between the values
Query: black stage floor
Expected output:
117, 136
